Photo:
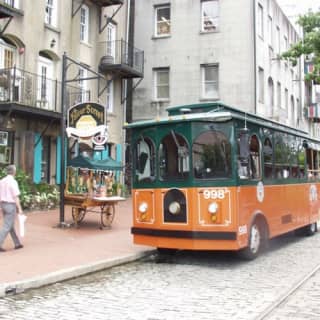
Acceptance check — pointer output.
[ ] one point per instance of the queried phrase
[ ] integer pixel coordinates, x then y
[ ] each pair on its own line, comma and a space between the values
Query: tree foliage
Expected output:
309, 45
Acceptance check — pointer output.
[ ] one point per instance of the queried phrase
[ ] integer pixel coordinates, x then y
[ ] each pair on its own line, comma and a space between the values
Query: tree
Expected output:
309, 45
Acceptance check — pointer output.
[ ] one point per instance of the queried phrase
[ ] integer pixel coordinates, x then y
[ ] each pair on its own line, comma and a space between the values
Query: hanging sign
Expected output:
93, 114
87, 120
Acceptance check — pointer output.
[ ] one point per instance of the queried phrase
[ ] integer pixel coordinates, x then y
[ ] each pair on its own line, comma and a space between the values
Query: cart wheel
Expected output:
78, 213
107, 215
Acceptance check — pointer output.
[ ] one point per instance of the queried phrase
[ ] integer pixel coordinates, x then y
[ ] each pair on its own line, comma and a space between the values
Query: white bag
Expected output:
22, 218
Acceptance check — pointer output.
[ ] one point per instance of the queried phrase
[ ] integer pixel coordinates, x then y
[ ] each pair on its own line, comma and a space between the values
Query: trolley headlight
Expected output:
174, 207
143, 207
213, 207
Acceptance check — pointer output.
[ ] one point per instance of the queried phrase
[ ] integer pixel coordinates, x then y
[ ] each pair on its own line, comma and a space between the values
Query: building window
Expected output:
7, 55
260, 20
45, 85
111, 40
51, 12
261, 85
278, 40
162, 84
210, 81
270, 31
8, 58
12, 3
83, 73
286, 99
271, 93
292, 112
279, 95
84, 23
109, 102
162, 21
209, 15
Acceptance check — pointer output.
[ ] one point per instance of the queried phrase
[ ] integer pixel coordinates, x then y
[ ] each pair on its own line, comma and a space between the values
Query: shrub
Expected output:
35, 196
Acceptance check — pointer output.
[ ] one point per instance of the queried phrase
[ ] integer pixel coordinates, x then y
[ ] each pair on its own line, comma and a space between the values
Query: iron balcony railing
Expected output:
11, 3
122, 54
25, 88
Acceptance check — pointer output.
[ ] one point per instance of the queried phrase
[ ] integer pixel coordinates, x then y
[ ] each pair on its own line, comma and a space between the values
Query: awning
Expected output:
87, 163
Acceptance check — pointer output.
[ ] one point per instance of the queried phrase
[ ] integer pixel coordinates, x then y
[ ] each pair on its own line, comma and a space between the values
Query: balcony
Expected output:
8, 8
313, 112
106, 3
29, 94
120, 59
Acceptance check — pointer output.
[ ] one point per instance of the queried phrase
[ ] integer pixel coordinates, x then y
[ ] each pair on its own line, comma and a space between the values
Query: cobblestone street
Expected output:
188, 285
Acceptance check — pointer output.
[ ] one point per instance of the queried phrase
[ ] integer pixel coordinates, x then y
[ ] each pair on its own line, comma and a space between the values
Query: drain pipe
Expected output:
255, 56
124, 141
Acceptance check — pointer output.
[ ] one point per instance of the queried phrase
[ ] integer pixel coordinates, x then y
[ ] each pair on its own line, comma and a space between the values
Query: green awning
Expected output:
87, 163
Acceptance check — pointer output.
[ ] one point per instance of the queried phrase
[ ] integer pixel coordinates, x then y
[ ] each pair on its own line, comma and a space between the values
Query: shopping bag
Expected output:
22, 219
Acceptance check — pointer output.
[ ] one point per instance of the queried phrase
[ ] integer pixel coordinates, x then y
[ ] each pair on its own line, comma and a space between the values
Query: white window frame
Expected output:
83, 85
270, 31
13, 3
260, 21
278, 41
6, 47
51, 13
286, 99
207, 83
261, 85
110, 97
279, 103
156, 73
163, 21
271, 92
111, 40
45, 79
210, 23
84, 23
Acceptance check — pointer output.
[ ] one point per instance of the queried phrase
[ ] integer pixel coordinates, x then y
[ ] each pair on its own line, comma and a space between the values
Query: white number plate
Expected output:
214, 194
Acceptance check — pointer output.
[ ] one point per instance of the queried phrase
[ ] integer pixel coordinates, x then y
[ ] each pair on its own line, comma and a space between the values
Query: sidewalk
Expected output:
52, 254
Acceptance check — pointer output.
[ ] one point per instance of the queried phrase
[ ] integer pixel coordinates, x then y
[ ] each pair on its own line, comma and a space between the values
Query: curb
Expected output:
67, 274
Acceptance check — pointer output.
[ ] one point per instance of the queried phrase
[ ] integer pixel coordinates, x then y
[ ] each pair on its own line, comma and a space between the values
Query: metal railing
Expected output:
25, 88
121, 52
11, 3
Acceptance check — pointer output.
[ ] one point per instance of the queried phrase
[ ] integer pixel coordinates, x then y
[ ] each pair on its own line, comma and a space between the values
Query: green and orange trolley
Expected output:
211, 177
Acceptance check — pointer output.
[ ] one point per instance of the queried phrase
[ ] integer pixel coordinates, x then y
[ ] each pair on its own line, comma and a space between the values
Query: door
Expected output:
45, 87
111, 41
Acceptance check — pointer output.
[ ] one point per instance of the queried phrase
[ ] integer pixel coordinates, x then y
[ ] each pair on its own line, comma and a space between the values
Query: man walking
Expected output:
9, 200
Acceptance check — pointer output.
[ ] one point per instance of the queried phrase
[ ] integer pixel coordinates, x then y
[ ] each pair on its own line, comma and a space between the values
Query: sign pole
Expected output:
62, 134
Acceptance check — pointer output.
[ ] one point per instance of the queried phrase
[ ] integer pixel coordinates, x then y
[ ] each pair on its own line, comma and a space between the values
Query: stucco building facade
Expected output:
209, 50
34, 36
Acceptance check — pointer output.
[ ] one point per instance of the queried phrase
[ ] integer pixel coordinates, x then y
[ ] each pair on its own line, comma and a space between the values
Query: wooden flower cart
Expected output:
89, 188
82, 204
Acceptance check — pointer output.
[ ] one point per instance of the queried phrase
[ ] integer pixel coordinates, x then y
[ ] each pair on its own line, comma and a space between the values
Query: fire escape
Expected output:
118, 59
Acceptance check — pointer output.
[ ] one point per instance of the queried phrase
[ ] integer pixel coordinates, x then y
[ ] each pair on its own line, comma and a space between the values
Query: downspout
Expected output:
124, 116
255, 56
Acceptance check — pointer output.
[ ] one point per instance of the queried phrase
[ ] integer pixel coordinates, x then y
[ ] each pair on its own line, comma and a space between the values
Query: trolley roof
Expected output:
215, 112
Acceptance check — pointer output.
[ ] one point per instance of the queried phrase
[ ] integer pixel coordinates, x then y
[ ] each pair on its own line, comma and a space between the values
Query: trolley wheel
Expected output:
78, 214
310, 229
107, 215
255, 242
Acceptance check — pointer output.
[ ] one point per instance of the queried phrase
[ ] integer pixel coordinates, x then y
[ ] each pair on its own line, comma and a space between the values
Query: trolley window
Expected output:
211, 152
173, 157
268, 158
144, 160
